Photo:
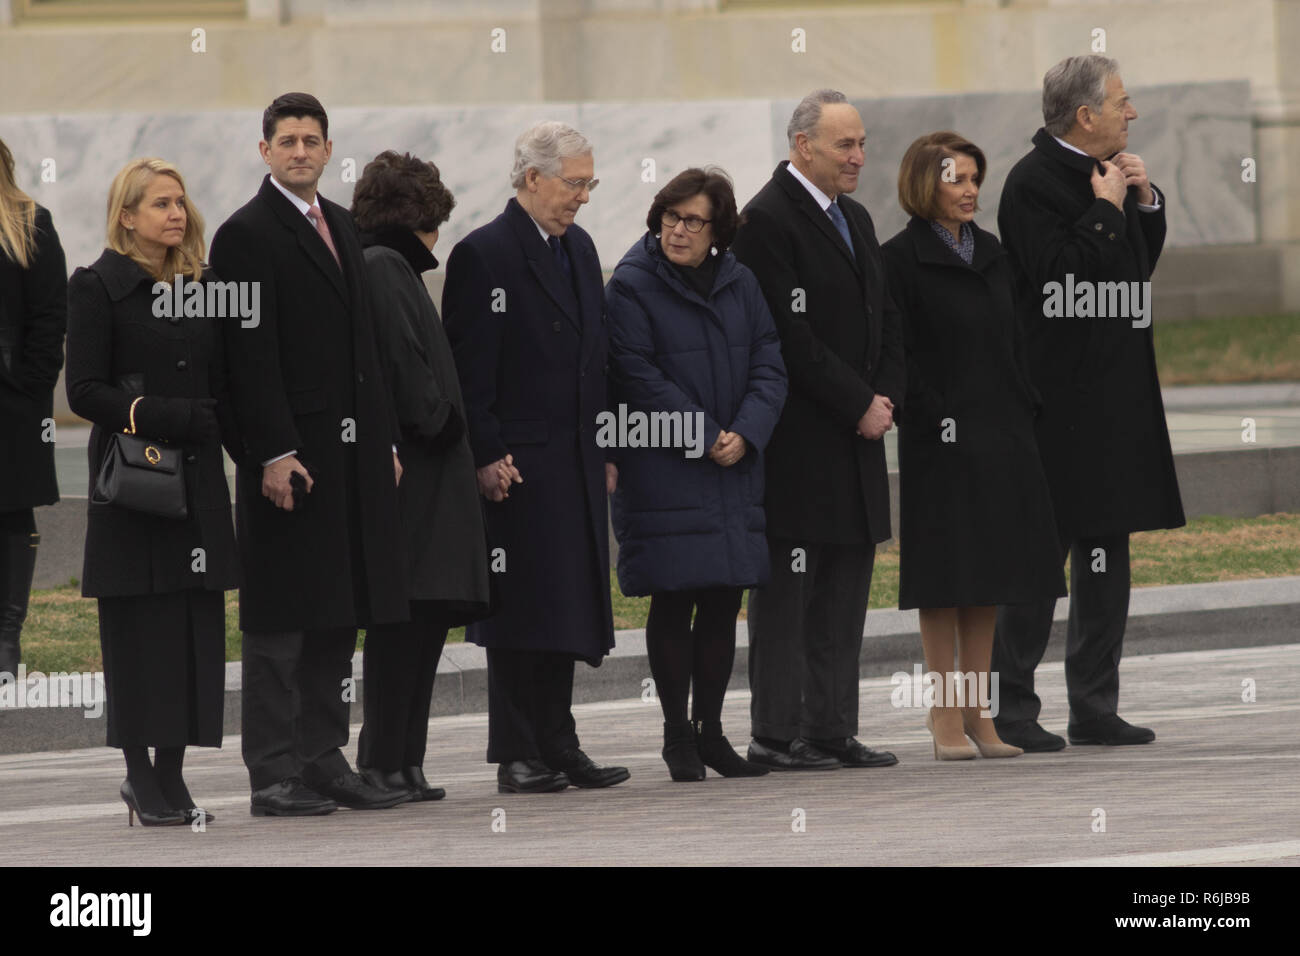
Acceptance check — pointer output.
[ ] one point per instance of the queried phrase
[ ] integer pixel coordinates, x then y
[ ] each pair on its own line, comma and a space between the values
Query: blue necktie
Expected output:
841, 224
561, 256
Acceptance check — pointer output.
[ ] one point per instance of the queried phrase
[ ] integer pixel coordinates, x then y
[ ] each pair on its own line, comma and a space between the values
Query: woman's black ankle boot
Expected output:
717, 753
680, 754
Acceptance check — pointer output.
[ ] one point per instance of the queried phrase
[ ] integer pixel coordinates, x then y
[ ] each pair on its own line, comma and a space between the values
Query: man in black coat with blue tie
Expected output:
815, 254
524, 311
316, 495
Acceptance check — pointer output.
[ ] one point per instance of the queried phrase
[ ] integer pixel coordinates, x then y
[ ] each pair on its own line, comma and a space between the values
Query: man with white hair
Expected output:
1079, 214
524, 310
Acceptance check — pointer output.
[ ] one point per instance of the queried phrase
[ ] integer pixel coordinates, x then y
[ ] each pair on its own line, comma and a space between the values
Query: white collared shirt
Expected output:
1142, 207
820, 197
299, 203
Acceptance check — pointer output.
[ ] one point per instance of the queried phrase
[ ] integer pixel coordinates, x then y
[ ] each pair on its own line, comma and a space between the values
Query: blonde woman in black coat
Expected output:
159, 580
976, 522
33, 315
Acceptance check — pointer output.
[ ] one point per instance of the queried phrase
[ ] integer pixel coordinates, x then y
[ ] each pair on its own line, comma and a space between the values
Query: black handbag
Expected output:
142, 475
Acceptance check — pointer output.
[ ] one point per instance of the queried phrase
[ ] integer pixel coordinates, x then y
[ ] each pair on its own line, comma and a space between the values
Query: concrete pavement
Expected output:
1221, 785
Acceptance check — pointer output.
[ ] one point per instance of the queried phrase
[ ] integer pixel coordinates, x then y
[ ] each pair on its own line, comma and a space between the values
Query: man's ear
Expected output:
1083, 116
801, 145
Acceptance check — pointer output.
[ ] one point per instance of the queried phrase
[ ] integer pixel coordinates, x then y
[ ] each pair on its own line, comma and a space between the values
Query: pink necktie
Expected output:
323, 229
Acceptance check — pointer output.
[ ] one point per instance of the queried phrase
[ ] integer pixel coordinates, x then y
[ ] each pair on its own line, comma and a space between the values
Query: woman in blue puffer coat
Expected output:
699, 385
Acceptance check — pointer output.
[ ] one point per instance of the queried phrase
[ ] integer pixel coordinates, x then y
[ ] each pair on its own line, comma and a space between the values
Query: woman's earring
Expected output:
713, 250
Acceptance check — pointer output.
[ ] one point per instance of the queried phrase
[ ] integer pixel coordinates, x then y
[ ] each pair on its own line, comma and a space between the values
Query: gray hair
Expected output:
808, 113
1075, 81
544, 147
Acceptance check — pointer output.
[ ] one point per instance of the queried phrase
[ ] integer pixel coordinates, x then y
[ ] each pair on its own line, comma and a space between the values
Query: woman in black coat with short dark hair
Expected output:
976, 522
33, 316
159, 580
398, 205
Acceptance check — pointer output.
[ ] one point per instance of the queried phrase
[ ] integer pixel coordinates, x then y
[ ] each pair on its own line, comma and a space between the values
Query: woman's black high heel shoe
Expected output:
194, 814
168, 818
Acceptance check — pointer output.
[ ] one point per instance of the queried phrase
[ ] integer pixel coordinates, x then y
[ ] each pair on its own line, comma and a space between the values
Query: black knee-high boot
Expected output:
17, 564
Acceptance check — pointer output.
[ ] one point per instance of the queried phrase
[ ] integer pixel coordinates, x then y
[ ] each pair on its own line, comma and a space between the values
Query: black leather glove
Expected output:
167, 419
204, 428
452, 431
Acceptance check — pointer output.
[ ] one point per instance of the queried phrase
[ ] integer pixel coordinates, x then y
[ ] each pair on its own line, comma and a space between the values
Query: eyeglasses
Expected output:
578, 185
670, 220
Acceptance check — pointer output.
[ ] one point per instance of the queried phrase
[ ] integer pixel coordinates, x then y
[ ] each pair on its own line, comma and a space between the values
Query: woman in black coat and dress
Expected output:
33, 316
977, 527
159, 580
398, 205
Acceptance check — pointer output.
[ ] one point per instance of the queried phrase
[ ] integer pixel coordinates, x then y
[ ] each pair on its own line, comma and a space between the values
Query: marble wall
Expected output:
1192, 136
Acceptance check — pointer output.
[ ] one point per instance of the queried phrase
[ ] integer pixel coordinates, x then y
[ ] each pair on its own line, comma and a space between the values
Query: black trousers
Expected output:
1094, 636
399, 665
530, 705
295, 704
805, 635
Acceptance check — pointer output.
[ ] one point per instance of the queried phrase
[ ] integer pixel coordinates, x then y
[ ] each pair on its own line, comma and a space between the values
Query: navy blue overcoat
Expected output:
531, 350
687, 522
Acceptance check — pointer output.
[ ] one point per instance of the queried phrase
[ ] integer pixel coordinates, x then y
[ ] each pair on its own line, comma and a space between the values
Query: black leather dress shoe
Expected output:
391, 781
800, 756
1030, 737
851, 752
583, 772
290, 798
529, 776
414, 777
1111, 731
351, 791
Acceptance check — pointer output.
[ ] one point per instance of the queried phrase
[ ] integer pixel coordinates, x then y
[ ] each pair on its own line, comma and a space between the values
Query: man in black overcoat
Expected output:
319, 559
1080, 219
815, 254
524, 310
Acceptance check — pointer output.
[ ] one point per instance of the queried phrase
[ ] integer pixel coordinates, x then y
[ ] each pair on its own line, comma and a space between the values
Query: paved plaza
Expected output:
1221, 785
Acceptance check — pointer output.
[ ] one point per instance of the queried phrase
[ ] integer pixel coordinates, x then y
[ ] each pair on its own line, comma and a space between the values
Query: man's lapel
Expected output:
819, 218
542, 264
591, 294
312, 245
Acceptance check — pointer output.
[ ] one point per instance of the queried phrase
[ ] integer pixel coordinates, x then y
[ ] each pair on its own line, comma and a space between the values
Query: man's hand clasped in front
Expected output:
878, 419
495, 478
276, 484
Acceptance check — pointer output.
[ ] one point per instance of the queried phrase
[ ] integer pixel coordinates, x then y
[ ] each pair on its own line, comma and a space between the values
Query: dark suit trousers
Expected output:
530, 705
805, 634
1094, 637
399, 664
295, 705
